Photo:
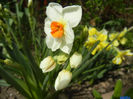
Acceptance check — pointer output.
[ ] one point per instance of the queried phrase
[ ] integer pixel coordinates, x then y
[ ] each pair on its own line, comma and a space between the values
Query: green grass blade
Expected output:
4, 83
118, 90
96, 94
87, 56
17, 83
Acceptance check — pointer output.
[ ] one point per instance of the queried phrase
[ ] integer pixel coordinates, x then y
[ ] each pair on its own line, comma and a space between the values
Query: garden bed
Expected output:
84, 90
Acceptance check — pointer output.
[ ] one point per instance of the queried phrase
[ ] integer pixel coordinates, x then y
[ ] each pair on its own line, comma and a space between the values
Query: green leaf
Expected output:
101, 74
17, 83
34, 66
84, 64
129, 93
94, 69
118, 90
10, 21
4, 83
96, 94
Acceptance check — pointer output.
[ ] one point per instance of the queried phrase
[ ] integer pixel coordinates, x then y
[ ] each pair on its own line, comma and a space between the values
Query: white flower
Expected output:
59, 24
63, 79
47, 64
29, 3
75, 60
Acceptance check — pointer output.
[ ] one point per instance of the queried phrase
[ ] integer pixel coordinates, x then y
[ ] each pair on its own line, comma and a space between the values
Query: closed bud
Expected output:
63, 79
6, 10
47, 64
8, 62
0, 6
85, 29
75, 60
61, 58
29, 3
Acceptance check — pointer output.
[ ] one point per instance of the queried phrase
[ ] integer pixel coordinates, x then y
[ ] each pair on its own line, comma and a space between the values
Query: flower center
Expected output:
57, 29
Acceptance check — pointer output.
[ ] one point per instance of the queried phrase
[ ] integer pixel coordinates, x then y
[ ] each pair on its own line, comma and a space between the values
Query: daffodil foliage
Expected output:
40, 62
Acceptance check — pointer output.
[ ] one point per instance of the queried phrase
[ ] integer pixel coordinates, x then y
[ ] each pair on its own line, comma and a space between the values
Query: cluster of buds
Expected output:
64, 77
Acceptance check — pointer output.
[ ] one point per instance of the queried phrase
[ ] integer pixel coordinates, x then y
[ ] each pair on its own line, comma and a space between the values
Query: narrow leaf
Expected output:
17, 83
118, 89
4, 83
96, 94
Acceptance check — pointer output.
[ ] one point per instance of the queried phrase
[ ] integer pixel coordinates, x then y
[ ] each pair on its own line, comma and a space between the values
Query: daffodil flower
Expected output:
120, 56
94, 36
120, 39
59, 24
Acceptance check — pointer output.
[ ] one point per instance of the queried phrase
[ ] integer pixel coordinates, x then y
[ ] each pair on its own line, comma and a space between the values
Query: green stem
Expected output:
93, 69
2, 61
68, 67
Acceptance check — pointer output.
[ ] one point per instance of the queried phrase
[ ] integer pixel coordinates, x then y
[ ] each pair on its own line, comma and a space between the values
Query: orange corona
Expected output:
57, 29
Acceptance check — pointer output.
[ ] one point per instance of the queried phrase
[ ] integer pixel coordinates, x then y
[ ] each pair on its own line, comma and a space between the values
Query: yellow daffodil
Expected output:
92, 31
94, 36
123, 41
120, 39
59, 24
120, 56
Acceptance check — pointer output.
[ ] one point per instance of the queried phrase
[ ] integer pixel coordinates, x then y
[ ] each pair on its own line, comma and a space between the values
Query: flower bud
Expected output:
0, 6
61, 58
47, 64
63, 79
8, 62
29, 3
75, 60
6, 10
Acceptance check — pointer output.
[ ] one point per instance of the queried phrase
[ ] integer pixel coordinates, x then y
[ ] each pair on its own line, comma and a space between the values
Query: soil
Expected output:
10, 93
104, 86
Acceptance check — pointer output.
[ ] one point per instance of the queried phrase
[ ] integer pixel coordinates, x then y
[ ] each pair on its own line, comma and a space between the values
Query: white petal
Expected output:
49, 41
47, 64
54, 11
104, 31
53, 43
129, 53
66, 48
63, 79
47, 27
117, 60
75, 60
69, 34
50, 69
72, 14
